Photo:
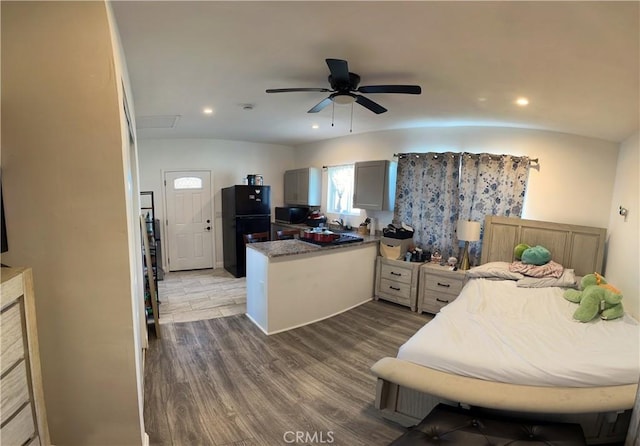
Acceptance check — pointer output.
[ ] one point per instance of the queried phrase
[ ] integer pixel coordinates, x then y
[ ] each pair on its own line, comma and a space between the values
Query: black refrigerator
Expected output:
245, 210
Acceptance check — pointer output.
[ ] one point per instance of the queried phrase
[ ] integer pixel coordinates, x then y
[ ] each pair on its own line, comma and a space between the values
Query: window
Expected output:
187, 183
340, 190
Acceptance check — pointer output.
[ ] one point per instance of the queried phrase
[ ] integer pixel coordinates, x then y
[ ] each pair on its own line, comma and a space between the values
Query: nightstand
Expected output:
397, 281
439, 286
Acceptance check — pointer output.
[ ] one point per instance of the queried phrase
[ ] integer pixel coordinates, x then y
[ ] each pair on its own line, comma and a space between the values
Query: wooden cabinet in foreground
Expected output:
22, 413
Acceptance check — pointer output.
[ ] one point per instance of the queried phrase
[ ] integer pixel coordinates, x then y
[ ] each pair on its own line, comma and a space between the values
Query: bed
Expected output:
428, 369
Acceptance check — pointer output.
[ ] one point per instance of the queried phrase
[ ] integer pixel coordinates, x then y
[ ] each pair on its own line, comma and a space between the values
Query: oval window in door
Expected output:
187, 183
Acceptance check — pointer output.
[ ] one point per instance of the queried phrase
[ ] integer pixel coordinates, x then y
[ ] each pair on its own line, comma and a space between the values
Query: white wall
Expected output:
574, 183
622, 264
229, 161
64, 185
572, 168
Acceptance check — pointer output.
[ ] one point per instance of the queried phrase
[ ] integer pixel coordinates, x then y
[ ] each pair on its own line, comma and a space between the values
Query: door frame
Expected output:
165, 223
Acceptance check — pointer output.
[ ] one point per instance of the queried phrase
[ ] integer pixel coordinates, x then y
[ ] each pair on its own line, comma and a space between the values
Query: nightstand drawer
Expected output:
402, 290
396, 273
433, 303
444, 284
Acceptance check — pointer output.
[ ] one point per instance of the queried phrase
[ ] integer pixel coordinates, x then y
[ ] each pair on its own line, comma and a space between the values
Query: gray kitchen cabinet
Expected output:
303, 186
374, 185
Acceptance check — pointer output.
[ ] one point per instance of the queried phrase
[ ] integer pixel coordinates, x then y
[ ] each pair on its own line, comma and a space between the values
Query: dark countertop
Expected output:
280, 248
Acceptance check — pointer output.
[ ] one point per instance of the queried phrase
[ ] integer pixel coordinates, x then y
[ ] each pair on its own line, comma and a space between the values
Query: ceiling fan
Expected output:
344, 86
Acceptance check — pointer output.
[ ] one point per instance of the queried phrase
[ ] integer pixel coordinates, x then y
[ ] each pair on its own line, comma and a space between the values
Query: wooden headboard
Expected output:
573, 246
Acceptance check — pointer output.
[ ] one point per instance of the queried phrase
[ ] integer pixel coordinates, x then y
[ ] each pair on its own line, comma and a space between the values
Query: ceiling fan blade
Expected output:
339, 70
320, 105
368, 103
406, 89
288, 90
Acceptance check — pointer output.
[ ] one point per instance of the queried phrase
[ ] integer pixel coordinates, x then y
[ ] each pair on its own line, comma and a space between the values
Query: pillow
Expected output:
551, 269
538, 255
494, 270
566, 280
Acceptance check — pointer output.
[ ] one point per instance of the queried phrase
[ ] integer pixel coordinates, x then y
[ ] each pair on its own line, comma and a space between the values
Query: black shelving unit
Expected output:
152, 259
148, 209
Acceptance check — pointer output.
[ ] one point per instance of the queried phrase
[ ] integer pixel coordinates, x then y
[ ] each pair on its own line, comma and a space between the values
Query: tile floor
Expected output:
187, 296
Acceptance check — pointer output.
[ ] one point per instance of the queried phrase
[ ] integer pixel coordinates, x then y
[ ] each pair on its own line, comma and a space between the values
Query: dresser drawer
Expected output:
433, 303
19, 429
441, 283
396, 273
397, 289
12, 344
14, 391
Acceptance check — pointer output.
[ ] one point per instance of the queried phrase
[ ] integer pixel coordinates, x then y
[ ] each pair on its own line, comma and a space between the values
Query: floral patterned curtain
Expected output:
491, 185
427, 198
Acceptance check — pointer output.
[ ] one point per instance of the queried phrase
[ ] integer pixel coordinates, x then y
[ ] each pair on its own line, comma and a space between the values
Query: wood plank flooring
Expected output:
222, 382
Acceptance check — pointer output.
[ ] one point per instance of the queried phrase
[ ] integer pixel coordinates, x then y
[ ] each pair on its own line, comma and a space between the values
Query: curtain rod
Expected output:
417, 155
337, 165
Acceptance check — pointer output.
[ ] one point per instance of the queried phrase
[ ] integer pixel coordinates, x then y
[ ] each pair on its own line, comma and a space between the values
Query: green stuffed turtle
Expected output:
597, 297
536, 255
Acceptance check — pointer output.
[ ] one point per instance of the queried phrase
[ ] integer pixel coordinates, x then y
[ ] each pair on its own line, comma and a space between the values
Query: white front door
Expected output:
189, 219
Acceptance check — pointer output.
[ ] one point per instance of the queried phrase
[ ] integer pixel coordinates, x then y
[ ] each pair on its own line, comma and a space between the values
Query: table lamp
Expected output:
468, 231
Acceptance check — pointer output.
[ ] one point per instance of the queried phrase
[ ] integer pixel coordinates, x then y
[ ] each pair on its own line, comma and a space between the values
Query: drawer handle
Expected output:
446, 285
395, 274
394, 288
442, 301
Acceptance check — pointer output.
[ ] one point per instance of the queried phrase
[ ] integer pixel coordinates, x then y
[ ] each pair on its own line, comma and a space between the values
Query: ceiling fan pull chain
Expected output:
333, 109
351, 123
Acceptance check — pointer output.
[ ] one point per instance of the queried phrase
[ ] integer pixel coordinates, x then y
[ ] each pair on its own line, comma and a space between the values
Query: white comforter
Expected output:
499, 332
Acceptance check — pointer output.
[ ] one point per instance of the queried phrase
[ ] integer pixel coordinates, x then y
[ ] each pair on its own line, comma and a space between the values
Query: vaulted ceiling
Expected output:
576, 62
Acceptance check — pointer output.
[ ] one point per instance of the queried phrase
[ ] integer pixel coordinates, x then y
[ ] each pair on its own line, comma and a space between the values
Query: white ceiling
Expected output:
577, 62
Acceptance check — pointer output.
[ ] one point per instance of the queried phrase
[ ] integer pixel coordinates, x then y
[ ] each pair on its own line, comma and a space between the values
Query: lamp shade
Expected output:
468, 231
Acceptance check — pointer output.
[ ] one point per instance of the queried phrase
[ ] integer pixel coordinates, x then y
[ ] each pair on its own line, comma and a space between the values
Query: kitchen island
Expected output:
291, 283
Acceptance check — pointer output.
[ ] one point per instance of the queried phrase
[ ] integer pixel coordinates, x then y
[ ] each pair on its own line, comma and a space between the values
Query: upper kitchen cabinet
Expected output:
303, 186
374, 185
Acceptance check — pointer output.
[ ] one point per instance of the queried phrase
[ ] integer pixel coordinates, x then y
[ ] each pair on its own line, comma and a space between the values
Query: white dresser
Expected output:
22, 412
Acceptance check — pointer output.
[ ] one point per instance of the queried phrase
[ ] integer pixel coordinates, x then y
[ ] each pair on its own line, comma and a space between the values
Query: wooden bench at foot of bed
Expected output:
407, 392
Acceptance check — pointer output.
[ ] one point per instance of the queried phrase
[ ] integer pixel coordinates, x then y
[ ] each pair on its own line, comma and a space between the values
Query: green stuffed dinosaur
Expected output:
597, 297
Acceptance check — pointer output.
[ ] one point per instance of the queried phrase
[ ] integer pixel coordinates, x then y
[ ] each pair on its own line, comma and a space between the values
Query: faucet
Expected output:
340, 223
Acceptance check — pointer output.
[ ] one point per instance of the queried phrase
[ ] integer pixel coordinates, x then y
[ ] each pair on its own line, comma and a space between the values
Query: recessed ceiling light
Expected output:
315, 126
207, 111
522, 102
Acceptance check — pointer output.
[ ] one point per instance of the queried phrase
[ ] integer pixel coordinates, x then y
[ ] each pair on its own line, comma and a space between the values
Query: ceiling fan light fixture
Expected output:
344, 98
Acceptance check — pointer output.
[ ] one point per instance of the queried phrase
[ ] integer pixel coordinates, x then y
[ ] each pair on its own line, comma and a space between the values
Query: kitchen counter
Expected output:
292, 283
279, 248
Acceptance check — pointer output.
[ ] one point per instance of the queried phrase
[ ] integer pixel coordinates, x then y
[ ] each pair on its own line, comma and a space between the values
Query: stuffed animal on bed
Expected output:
597, 297
536, 255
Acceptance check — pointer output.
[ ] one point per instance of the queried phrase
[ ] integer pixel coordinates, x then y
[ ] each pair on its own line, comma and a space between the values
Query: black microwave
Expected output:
292, 215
